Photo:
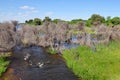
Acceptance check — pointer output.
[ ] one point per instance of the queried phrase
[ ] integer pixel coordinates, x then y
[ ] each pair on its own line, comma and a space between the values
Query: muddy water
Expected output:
38, 66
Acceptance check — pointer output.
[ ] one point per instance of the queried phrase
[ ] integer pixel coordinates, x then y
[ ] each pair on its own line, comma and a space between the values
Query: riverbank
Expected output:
102, 64
4, 63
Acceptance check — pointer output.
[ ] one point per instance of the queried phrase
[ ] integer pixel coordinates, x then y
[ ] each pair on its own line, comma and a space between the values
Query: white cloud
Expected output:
19, 13
35, 11
20, 16
49, 13
26, 13
30, 9
23, 14
27, 8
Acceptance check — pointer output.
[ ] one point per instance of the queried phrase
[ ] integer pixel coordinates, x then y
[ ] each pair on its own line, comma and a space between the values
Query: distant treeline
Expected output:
94, 20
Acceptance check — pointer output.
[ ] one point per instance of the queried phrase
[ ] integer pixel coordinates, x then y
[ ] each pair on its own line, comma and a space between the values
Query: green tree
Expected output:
96, 19
108, 21
26, 21
30, 21
88, 23
37, 21
75, 21
115, 20
47, 19
58, 20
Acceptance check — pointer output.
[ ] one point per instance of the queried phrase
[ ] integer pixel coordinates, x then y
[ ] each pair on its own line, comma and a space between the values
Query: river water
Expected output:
33, 63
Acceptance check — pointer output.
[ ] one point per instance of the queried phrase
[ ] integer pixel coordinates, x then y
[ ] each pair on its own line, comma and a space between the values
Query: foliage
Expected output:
29, 21
75, 21
37, 21
87, 30
51, 51
96, 19
6, 54
58, 20
115, 21
108, 21
88, 23
3, 65
47, 19
100, 65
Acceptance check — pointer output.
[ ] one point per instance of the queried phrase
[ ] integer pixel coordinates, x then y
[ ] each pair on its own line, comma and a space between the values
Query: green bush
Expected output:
100, 65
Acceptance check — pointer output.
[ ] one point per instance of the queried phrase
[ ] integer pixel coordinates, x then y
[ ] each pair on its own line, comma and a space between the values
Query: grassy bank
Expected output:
3, 65
104, 64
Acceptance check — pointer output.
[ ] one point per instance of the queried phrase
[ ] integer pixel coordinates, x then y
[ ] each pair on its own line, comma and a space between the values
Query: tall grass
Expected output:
104, 64
3, 65
51, 50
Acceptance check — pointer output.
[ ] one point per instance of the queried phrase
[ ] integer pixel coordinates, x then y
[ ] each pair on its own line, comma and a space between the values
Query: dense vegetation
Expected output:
103, 64
4, 62
3, 65
94, 20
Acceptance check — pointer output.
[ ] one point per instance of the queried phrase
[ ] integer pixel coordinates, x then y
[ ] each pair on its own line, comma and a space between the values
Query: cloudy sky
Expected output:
64, 9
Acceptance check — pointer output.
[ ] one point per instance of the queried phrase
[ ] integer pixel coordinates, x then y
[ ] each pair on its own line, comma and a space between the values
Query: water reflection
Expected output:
71, 45
74, 39
18, 27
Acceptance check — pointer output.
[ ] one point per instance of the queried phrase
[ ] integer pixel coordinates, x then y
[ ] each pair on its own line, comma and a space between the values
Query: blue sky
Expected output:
22, 10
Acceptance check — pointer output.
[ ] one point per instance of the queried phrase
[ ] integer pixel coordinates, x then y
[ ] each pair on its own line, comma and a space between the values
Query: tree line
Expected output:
94, 20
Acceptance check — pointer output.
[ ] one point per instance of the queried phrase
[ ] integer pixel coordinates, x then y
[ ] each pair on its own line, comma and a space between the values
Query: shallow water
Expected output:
71, 45
39, 66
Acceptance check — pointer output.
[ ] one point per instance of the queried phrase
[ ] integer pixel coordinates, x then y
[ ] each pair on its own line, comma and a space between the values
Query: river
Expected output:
34, 63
